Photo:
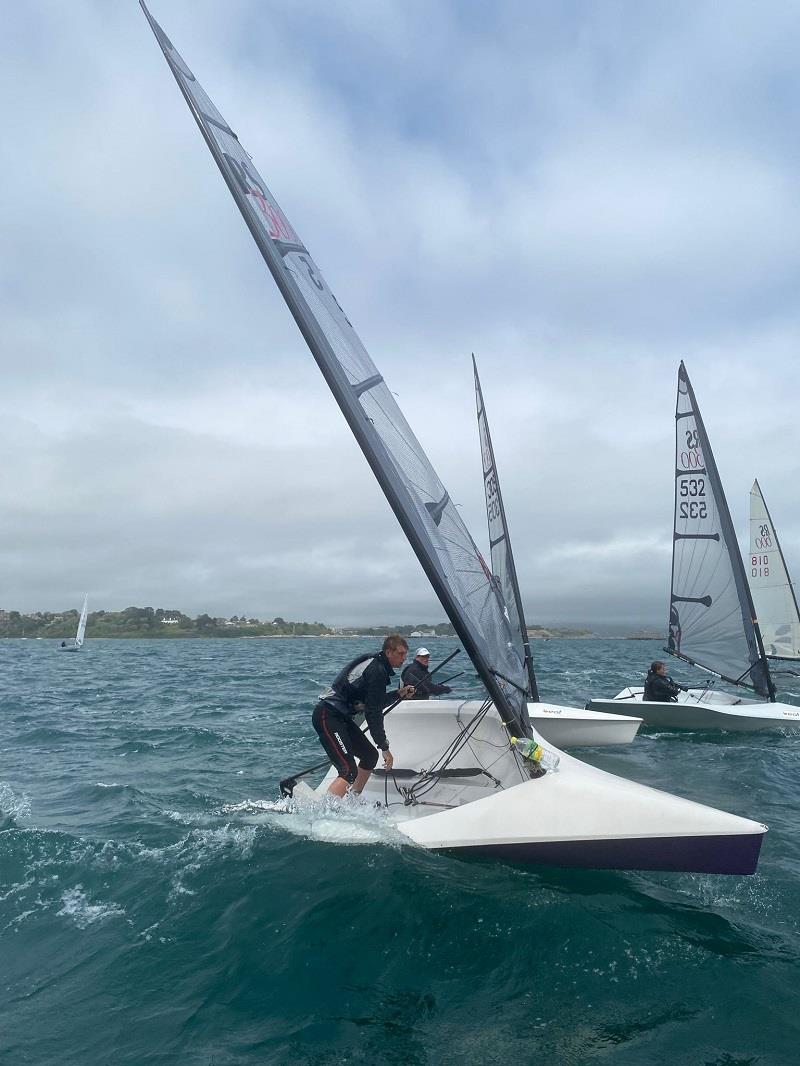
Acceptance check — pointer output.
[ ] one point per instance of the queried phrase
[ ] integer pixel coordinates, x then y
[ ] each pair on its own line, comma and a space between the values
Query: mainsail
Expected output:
460, 577
499, 540
711, 619
82, 621
770, 584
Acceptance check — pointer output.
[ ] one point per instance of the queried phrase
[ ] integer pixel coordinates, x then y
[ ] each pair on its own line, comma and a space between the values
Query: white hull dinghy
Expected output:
578, 816
566, 727
571, 727
461, 784
702, 708
76, 643
712, 621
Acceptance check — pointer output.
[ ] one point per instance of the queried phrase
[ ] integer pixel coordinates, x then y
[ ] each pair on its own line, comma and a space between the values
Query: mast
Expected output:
499, 539
761, 583
711, 609
420, 502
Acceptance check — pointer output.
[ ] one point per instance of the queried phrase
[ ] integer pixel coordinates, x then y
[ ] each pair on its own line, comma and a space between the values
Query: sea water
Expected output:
158, 906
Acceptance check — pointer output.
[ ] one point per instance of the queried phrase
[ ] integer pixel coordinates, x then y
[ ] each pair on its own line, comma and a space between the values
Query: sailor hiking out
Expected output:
360, 687
418, 675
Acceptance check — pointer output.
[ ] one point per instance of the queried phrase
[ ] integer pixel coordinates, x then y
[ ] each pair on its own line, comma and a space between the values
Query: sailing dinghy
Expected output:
76, 643
564, 727
458, 783
770, 585
712, 623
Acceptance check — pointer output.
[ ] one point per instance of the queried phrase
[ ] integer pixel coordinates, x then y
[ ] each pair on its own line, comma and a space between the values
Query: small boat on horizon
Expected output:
76, 643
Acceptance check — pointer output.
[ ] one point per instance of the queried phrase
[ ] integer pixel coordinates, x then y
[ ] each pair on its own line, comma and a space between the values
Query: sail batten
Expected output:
499, 540
712, 620
771, 587
420, 502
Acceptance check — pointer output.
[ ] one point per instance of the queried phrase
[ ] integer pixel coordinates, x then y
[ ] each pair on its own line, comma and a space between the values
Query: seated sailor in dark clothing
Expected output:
360, 686
659, 687
418, 675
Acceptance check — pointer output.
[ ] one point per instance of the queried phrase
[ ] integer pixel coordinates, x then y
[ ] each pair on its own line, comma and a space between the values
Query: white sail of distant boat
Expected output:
458, 783
771, 587
76, 643
563, 726
712, 623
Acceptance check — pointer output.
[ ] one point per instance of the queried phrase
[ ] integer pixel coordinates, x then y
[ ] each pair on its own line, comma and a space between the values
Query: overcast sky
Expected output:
582, 194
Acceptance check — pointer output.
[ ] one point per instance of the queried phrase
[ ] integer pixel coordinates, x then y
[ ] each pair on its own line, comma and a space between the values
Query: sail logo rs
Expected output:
277, 226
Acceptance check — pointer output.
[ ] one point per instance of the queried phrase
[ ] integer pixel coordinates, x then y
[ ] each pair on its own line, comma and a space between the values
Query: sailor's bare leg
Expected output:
338, 787
361, 779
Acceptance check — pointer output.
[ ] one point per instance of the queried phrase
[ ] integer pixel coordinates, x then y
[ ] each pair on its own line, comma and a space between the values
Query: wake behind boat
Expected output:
459, 782
712, 622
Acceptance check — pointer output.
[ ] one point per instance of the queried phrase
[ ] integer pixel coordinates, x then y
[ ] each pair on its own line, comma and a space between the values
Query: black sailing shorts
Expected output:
343, 742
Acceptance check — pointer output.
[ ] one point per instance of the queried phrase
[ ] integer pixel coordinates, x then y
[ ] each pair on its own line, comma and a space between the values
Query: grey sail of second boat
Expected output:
564, 726
461, 786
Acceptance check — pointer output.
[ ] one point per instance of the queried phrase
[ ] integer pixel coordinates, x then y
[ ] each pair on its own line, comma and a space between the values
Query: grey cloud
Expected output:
582, 197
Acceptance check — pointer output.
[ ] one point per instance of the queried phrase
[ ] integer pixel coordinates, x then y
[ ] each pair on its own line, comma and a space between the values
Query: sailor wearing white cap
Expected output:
418, 675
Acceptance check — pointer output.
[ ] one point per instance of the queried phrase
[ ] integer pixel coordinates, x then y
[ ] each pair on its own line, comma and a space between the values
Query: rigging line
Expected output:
462, 739
454, 748
477, 757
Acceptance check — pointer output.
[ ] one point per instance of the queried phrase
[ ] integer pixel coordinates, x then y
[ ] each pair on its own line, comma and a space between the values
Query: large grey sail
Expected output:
770, 584
499, 541
430, 520
711, 619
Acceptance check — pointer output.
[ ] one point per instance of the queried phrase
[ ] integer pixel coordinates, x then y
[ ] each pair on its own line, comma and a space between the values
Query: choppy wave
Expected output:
135, 871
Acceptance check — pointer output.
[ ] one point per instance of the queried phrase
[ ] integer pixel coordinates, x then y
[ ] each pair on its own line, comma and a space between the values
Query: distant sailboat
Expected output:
76, 643
563, 726
712, 623
458, 783
771, 587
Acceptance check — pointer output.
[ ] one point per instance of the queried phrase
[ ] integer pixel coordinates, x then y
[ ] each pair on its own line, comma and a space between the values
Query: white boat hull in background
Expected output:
701, 708
571, 727
578, 816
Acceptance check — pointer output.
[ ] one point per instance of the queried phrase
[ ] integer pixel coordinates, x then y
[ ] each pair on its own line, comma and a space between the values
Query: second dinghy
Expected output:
712, 623
458, 783
563, 726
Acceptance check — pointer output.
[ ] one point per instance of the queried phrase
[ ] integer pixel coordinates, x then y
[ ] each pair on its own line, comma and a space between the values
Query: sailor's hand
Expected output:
406, 691
388, 760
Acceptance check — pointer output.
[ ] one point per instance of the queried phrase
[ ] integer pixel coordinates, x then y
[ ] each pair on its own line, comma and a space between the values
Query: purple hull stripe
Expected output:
711, 855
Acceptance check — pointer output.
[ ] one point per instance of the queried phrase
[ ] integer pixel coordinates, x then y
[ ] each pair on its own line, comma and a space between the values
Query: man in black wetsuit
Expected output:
360, 686
418, 675
659, 688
